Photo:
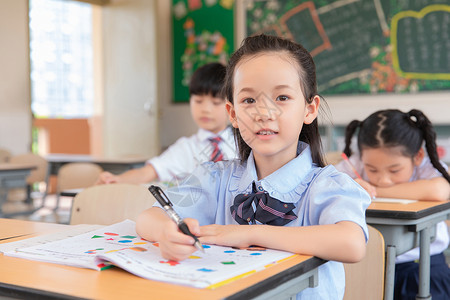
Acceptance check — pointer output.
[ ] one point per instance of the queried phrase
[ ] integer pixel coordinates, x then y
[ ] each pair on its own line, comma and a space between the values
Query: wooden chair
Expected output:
365, 279
36, 176
333, 158
5, 155
76, 175
110, 203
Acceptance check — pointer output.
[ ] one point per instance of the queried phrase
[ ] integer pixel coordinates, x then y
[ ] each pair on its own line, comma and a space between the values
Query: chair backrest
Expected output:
5, 155
110, 203
36, 175
77, 175
333, 158
365, 279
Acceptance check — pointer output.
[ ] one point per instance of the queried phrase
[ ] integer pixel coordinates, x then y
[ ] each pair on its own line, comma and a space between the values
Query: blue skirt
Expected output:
407, 279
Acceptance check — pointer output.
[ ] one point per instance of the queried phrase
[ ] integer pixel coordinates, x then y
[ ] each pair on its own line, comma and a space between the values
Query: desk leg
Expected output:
3, 198
424, 265
47, 186
390, 273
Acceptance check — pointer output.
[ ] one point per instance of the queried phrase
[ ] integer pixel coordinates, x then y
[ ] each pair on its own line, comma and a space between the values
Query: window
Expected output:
61, 59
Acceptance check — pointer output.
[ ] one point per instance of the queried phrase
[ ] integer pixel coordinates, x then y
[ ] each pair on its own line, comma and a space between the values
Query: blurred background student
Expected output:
213, 141
393, 164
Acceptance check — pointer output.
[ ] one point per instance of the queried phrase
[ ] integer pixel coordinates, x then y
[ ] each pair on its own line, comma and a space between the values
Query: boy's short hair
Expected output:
208, 79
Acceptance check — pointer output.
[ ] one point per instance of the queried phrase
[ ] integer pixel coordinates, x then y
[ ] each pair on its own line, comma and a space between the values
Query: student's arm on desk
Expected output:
141, 175
343, 241
435, 189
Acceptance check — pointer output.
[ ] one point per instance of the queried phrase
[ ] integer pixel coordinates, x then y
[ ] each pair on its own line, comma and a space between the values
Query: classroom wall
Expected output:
15, 99
175, 119
135, 114
125, 122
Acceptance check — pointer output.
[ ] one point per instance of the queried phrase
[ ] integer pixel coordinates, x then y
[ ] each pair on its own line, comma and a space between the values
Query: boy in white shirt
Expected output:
213, 141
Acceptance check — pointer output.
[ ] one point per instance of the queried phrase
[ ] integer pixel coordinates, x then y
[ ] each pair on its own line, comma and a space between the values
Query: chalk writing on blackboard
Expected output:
421, 41
359, 46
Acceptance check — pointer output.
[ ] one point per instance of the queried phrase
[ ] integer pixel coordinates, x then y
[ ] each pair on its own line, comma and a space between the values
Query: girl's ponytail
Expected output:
429, 135
349, 132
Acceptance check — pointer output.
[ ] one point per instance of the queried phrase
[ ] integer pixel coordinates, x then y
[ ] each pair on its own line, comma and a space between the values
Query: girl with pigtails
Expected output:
398, 159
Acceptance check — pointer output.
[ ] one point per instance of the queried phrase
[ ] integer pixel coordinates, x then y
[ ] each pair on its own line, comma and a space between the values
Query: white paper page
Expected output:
394, 200
78, 250
200, 270
120, 244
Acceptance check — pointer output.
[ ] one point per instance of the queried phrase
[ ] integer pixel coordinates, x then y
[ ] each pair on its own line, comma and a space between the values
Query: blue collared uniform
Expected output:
320, 195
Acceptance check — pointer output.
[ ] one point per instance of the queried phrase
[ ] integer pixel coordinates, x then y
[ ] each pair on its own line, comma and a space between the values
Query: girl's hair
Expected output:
208, 79
392, 128
258, 44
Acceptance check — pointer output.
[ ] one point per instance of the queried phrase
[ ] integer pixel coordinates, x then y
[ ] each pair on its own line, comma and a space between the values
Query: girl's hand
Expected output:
175, 245
226, 235
106, 178
372, 190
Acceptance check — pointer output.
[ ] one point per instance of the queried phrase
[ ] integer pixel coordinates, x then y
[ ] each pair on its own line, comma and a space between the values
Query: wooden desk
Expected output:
30, 279
113, 165
404, 227
11, 228
12, 176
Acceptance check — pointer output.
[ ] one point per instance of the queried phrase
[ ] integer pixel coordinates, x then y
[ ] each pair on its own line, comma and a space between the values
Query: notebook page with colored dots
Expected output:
119, 245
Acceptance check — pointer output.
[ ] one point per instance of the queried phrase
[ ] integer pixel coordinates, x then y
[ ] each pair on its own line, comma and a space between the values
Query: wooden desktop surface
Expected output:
16, 166
31, 278
114, 165
10, 228
413, 210
404, 227
66, 158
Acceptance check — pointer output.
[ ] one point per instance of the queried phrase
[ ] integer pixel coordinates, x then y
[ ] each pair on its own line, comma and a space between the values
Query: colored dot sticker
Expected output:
205, 270
256, 253
97, 236
138, 249
129, 237
228, 263
125, 241
229, 251
170, 262
110, 233
206, 247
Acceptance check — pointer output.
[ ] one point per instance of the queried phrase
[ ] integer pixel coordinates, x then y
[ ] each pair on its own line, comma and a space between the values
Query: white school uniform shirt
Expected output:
424, 171
181, 158
320, 195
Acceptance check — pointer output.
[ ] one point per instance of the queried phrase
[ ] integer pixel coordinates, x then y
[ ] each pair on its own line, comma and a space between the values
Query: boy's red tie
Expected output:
216, 155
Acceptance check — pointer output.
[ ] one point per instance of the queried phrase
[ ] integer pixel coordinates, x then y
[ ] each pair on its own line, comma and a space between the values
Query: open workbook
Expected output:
119, 245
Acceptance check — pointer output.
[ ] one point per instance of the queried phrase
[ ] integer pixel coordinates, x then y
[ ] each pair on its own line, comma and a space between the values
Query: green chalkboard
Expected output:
203, 32
365, 46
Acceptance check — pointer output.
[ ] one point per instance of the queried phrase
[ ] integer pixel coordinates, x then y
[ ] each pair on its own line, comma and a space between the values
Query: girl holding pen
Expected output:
279, 194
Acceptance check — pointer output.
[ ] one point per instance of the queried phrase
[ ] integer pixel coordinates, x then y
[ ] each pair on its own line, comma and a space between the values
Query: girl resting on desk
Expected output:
393, 164
280, 185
